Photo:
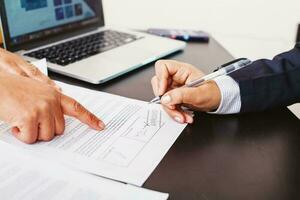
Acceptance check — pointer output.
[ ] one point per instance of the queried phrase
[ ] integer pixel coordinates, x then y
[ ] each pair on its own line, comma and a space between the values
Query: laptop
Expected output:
72, 36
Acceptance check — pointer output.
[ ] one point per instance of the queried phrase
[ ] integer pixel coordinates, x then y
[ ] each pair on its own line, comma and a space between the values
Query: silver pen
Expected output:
223, 70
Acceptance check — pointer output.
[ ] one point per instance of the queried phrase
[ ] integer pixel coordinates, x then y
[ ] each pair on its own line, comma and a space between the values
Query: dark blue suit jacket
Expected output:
270, 83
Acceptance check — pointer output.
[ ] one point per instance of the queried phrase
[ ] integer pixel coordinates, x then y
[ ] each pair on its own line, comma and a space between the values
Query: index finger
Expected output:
164, 69
74, 109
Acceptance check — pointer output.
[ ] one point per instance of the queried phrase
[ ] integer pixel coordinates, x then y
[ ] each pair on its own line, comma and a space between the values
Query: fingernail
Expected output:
178, 119
189, 119
101, 125
166, 99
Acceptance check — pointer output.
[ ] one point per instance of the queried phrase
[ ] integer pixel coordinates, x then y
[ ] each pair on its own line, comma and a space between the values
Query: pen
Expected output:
223, 70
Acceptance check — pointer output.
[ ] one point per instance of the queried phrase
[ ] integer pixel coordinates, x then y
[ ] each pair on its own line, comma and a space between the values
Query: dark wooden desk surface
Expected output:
251, 156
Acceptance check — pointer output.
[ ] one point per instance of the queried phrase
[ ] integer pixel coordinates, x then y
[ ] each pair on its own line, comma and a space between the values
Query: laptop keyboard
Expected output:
75, 50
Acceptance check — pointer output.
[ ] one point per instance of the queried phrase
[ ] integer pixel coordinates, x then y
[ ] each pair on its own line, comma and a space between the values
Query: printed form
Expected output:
136, 138
25, 178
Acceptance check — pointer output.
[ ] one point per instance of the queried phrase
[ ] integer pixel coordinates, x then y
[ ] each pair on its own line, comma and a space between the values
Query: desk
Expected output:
250, 156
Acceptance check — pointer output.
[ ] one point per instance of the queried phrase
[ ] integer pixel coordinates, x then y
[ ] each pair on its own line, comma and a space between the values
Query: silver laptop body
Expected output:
131, 51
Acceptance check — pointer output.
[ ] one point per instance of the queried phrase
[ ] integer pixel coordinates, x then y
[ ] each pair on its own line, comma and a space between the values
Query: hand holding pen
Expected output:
176, 84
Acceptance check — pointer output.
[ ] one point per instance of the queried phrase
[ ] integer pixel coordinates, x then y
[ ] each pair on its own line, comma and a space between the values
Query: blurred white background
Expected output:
247, 28
253, 28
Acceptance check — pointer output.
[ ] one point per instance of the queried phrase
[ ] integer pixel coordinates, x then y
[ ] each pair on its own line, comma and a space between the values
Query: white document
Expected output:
136, 138
25, 178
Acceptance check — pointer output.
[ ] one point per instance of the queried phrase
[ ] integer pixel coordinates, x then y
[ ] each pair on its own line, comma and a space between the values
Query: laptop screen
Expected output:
29, 20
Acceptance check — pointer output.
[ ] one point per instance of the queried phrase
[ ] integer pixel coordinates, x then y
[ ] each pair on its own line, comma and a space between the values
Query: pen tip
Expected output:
155, 100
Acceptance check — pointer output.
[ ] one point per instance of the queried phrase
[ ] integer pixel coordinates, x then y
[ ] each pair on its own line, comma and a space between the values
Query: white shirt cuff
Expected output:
230, 96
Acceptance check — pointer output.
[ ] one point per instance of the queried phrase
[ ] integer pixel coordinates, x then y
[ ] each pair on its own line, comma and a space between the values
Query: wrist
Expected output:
215, 95
212, 96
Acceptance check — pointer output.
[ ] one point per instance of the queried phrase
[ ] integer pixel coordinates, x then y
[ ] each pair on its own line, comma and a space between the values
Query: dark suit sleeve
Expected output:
270, 83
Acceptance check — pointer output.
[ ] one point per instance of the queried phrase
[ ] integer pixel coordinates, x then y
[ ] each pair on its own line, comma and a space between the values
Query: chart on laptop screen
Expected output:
27, 16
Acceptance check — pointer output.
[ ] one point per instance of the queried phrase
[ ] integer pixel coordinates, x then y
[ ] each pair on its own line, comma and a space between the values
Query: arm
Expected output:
14, 64
264, 84
270, 83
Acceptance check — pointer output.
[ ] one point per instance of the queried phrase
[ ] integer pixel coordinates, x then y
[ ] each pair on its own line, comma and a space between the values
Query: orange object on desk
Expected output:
1, 41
